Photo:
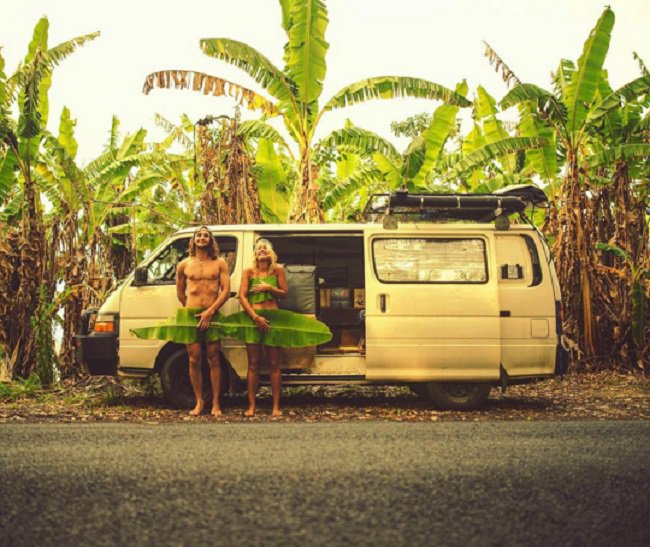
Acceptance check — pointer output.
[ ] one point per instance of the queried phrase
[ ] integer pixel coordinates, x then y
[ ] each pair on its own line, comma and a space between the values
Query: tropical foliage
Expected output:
599, 134
70, 232
295, 94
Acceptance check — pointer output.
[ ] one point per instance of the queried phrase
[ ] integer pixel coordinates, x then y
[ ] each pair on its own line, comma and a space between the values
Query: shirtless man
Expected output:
203, 281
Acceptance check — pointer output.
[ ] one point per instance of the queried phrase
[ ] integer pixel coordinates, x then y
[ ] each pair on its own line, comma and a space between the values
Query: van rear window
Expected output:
430, 260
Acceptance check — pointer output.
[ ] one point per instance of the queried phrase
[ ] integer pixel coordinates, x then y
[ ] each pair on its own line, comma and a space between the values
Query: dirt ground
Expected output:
586, 396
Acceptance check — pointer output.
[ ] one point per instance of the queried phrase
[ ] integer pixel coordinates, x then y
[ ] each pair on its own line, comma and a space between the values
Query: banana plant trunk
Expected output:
573, 264
231, 194
31, 252
306, 208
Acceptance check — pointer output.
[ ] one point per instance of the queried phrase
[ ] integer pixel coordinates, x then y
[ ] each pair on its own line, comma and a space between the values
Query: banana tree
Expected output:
296, 90
619, 170
26, 237
574, 113
85, 204
426, 165
636, 277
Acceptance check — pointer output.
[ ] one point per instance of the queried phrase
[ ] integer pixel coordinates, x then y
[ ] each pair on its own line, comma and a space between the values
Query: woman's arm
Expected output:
280, 291
262, 323
283, 287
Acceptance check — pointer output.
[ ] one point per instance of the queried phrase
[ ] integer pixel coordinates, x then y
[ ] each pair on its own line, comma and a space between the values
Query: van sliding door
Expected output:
432, 310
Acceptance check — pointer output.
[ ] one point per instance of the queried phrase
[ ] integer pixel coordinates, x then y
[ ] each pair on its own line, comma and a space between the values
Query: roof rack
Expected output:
468, 207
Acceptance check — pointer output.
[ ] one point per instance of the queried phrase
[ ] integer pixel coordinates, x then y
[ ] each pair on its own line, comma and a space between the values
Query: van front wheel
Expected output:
458, 395
175, 380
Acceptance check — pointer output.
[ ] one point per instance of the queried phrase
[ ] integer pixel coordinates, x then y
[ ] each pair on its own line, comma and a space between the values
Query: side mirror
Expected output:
140, 276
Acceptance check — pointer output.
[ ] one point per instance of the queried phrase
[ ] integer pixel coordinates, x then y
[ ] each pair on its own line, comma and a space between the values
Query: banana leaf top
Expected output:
257, 297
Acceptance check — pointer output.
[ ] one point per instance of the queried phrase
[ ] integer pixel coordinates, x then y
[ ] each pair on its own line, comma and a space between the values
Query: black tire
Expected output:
420, 389
458, 395
175, 380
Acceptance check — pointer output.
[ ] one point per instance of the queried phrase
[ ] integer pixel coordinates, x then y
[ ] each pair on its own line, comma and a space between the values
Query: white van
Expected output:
447, 308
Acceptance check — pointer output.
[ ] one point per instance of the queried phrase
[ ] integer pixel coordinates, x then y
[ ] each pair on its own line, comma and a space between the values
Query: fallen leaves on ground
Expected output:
586, 396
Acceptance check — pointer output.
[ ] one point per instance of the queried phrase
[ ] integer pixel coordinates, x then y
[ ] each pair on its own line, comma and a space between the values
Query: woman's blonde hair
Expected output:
274, 257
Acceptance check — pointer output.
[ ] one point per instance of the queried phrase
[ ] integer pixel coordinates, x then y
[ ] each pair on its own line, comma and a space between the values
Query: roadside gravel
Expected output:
586, 396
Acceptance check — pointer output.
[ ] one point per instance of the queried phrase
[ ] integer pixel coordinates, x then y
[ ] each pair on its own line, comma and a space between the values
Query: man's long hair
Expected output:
212, 248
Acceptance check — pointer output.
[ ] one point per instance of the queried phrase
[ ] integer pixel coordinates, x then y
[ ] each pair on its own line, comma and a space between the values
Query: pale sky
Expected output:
439, 40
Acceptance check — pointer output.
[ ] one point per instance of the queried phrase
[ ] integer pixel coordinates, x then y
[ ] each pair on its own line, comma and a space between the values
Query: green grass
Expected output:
20, 388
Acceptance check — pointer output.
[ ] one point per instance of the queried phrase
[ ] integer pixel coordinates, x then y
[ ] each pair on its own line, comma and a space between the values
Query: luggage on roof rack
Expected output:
470, 207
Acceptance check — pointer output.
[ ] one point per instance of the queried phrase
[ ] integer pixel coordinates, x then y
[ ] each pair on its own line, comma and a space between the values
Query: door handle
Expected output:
382, 303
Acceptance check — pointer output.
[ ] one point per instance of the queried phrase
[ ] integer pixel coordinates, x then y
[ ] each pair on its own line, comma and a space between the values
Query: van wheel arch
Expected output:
173, 369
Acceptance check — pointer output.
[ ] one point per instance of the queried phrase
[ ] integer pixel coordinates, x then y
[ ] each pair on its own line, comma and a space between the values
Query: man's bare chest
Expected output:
202, 270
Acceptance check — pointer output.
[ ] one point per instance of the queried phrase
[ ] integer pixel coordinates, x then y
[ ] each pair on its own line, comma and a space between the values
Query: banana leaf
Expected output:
257, 297
442, 123
270, 175
584, 82
306, 49
183, 328
390, 87
288, 329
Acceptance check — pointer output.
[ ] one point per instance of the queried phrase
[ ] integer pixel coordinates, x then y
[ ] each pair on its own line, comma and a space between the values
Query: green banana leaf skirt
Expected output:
183, 328
288, 329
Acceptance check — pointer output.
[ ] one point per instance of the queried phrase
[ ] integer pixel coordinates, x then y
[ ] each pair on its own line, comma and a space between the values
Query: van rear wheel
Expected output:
175, 380
420, 389
458, 395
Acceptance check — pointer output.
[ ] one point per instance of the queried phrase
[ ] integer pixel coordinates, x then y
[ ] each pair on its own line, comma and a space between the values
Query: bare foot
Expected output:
250, 412
276, 412
216, 411
197, 409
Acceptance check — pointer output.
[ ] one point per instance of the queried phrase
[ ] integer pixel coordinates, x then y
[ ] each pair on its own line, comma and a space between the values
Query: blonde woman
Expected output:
260, 288
263, 325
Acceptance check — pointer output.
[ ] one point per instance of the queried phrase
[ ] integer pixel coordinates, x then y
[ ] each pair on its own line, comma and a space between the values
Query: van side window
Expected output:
534, 258
162, 269
430, 260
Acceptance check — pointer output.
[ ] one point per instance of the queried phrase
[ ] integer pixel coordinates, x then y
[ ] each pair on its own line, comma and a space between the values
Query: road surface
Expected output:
377, 483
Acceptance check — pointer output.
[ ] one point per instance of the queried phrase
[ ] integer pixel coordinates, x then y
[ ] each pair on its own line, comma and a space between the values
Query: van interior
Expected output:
339, 286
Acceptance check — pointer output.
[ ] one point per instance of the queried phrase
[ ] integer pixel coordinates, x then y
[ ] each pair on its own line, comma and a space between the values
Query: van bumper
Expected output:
561, 361
97, 351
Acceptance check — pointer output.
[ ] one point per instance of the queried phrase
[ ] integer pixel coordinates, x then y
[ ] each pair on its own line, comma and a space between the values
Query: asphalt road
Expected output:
508, 483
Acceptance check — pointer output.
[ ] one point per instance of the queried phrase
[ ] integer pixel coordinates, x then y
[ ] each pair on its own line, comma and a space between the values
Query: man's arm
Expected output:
181, 282
224, 293
224, 287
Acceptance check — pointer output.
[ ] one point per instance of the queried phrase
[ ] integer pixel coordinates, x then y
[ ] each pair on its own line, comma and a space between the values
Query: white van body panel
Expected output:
431, 330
